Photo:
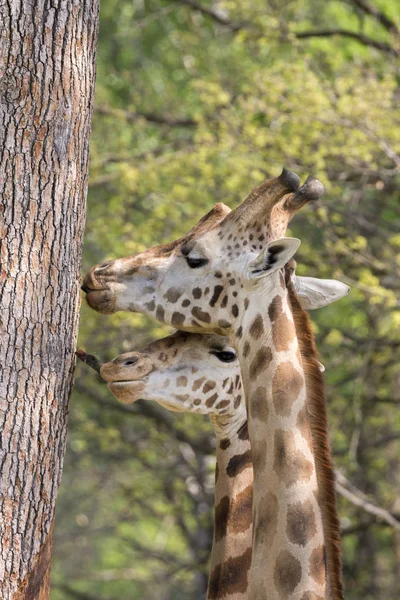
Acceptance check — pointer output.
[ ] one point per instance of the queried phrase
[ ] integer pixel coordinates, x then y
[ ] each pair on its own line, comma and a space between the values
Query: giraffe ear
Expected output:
316, 293
273, 257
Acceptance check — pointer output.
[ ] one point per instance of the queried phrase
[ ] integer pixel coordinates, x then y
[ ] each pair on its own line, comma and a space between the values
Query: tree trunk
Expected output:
47, 74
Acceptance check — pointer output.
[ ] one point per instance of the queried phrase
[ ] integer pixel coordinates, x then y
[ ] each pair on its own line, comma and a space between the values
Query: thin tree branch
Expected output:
131, 116
358, 527
89, 359
216, 15
346, 489
359, 37
379, 15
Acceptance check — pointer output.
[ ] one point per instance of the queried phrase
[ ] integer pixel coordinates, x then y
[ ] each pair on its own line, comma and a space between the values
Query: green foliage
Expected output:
191, 110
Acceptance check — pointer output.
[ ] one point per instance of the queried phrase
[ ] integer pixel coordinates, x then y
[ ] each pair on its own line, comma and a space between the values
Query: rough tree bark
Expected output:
47, 74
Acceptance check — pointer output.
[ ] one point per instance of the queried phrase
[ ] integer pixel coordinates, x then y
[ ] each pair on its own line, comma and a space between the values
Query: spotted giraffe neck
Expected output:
232, 544
318, 420
288, 559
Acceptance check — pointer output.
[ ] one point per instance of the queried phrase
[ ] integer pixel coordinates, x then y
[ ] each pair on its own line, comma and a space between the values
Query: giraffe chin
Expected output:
101, 301
127, 392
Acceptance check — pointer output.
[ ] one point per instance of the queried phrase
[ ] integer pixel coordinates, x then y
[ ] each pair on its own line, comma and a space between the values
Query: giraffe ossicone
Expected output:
223, 278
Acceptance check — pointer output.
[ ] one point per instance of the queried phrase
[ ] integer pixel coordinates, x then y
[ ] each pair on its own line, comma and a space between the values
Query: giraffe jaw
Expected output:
127, 391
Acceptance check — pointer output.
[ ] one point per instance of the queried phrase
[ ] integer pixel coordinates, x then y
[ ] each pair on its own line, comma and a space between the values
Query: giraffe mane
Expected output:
316, 408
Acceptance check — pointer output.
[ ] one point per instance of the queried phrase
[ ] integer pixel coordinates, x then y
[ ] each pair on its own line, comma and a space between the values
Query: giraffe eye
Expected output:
195, 263
225, 355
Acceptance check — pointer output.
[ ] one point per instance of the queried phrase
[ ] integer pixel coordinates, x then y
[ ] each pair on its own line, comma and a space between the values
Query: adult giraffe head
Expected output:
199, 283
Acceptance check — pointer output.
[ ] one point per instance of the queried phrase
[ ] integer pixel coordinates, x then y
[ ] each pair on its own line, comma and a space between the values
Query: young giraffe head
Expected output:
183, 372
201, 374
200, 282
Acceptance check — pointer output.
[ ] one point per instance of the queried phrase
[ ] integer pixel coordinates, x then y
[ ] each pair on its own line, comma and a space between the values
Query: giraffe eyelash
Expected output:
195, 263
225, 355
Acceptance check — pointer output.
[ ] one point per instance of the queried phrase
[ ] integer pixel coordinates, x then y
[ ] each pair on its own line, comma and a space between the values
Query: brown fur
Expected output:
316, 405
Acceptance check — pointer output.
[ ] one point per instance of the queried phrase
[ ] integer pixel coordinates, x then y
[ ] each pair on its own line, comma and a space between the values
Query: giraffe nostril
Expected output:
102, 266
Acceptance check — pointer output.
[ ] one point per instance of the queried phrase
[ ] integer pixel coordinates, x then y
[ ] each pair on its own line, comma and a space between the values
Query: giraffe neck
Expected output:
232, 544
288, 559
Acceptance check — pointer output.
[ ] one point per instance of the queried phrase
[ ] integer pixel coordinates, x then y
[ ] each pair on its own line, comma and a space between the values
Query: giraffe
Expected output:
200, 374
217, 279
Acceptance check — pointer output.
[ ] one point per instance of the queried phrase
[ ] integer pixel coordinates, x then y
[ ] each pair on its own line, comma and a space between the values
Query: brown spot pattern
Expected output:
225, 443
182, 397
239, 463
301, 526
222, 404
290, 464
230, 577
259, 453
149, 289
209, 385
317, 565
221, 518
258, 405
160, 313
150, 305
200, 314
246, 349
181, 381
257, 327
275, 308
241, 511
286, 386
287, 574
216, 294
196, 293
198, 384
173, 295
260, 362
243, 432
224, 324
177, 319
211, 400
266, 520
283, 333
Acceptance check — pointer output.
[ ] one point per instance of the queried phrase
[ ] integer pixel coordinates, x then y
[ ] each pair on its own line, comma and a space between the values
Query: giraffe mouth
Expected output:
101, 300
89, 290
127, 392
127, 382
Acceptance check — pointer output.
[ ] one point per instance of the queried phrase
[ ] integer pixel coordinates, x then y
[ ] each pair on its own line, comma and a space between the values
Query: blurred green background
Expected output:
196, 103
